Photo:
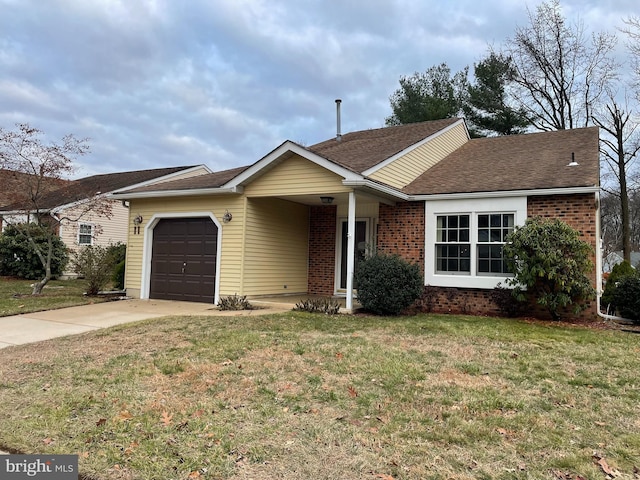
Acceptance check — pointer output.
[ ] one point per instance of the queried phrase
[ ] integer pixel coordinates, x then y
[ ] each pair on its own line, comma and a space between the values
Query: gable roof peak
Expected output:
361, 150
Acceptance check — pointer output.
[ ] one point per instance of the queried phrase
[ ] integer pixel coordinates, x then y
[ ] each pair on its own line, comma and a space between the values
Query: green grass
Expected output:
16, 298
299, 396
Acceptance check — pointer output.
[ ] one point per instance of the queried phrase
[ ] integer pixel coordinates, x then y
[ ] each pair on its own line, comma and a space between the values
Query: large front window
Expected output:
465, 240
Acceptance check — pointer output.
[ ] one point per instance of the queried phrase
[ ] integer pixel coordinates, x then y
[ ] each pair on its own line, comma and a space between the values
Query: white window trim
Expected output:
473, 207
93, 229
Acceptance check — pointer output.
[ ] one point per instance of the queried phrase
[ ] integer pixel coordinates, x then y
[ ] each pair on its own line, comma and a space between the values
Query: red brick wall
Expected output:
401, 231
578, 211
322, 248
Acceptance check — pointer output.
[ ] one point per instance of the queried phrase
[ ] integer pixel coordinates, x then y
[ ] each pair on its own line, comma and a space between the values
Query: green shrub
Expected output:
19, 259
319, 305
627, 297
118, 276
618, 272
506, 301
234, 302
95, 264
117, 252
551, 263
387, 284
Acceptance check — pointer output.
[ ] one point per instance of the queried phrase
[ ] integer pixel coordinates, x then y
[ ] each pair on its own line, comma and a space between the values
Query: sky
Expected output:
158, 83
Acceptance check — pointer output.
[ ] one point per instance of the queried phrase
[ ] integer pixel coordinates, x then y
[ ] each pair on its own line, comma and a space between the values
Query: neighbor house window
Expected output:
85, 234
465, 240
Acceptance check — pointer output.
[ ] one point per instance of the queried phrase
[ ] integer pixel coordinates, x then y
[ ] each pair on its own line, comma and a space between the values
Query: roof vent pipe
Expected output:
338, 134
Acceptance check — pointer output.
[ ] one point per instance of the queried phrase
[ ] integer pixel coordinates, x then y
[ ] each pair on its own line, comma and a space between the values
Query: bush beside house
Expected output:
387, 284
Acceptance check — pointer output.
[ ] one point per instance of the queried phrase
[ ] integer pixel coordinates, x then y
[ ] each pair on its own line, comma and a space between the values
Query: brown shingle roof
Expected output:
13, 182
359, 151
87, 187
356, 151
515, 162
210, 180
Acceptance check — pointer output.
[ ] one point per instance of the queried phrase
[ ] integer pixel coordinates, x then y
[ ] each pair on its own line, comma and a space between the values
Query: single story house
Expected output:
72, 205
299, 219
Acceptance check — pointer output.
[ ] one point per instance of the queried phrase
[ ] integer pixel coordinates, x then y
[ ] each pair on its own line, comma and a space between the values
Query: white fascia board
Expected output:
175, 193
164, 178
507, 193
392, 159
377, 187
290, 146
66, 206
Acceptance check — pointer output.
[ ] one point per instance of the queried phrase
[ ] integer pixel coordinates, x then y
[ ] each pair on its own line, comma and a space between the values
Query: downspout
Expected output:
599, 267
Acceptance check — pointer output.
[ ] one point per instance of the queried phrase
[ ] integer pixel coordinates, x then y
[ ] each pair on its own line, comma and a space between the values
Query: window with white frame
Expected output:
493, 229
85, 234
453, 250
465, 239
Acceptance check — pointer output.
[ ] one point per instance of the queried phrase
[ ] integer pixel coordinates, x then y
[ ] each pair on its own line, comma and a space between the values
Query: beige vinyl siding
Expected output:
295, 176
231, 234
107, 230
363, 210
276, 247
410, 166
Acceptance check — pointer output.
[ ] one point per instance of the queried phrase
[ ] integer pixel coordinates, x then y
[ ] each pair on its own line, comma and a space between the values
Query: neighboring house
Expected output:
614, 258
298, 220
81, 225
13, 181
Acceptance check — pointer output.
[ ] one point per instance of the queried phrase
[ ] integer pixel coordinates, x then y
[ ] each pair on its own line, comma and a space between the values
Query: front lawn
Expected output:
16, 298
301, 396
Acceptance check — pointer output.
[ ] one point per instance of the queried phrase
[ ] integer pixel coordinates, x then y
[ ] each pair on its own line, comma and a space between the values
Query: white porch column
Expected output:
351, 248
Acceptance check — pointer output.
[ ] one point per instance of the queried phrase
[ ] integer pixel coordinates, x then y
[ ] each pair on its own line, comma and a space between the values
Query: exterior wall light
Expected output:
226, 218
326, 200
137, 220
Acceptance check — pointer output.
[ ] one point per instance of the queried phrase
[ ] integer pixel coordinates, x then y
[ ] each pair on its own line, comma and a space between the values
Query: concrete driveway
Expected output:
34, 327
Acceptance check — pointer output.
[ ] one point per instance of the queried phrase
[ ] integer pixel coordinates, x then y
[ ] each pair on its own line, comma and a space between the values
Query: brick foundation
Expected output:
322, 248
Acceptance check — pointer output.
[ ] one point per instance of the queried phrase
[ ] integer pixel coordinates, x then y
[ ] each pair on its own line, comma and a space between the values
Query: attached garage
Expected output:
183, 260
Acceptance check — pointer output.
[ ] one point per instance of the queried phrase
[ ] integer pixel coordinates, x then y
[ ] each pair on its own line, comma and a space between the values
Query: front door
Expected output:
362, 233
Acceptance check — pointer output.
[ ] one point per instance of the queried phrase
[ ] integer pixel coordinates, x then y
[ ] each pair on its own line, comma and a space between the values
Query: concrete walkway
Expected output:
38, 326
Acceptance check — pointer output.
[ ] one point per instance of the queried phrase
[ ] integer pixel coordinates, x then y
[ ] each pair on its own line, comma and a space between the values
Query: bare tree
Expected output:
632, 31
619, 147
561, 73
42, 165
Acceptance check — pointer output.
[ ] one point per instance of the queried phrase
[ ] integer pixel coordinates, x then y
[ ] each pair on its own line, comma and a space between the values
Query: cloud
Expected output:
222, 82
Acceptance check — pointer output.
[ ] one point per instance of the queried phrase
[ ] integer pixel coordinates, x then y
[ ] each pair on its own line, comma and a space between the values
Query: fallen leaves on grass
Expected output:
124, 415
353, 393
602, 463
166, 418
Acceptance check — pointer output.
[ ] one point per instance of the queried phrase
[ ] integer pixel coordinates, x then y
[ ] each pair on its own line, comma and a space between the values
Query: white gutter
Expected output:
175, 193
383, 189
507, 193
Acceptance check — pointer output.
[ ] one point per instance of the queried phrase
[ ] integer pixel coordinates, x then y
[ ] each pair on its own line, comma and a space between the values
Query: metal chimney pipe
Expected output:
339, 133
